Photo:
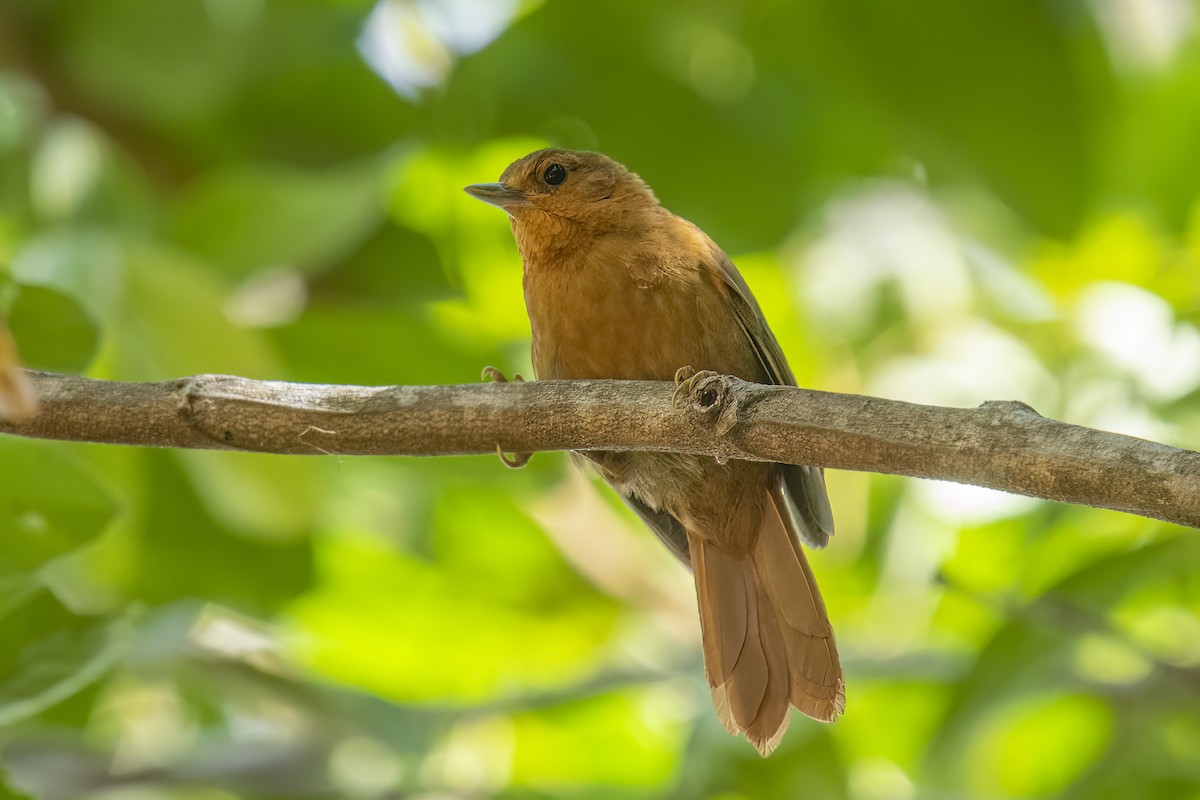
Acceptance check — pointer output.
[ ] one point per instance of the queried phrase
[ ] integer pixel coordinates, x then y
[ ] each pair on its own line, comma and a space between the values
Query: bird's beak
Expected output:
500, 195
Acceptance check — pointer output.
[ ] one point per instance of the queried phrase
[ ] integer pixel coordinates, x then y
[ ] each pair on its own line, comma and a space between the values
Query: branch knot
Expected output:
1009, 410
186, 390
710, 395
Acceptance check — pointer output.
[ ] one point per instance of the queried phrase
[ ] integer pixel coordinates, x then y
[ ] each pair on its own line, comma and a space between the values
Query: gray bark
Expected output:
1001, 445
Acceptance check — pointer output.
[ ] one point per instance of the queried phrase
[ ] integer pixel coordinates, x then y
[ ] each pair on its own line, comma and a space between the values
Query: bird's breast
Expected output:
600, 321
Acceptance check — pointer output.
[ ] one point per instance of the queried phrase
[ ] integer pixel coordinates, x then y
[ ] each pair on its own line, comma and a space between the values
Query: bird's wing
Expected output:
803, 488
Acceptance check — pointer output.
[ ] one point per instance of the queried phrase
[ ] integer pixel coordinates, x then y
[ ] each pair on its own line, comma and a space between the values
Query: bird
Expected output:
618, 287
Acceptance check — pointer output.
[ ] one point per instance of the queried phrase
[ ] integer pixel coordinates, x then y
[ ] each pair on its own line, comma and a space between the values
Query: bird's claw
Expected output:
709, 393
496, 376
516, 460
688, 381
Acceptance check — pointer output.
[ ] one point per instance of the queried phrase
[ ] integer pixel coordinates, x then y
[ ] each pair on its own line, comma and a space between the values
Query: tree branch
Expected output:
1001, 445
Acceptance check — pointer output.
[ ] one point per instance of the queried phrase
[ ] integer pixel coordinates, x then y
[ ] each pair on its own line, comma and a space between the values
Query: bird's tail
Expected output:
767, 640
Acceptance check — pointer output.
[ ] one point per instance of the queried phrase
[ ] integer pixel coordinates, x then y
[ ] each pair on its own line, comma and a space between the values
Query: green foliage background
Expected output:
941, 201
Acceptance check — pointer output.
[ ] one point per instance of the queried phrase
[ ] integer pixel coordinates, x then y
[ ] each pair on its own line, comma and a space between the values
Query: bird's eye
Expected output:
555, 174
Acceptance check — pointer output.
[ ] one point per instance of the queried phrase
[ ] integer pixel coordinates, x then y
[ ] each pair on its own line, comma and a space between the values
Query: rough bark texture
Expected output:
1002, 445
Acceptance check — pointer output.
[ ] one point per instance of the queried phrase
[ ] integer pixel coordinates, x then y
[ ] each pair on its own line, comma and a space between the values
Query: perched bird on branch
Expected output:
618, 287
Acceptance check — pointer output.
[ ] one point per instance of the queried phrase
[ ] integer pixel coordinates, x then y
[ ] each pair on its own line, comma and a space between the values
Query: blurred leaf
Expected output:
1020, 658
172, 323
989, 558
805, 765
308, 96
7, 792
185, 552
23, 106
276, 502
328, 343
1102, 583
1041, 745
394, 265
1044, 167
920, 705
485, 540
150, 61
1151, 139
50, 503
55, 332
254, 216
1118, 248
606, 741
466, 608
51, 654
1034, 651
16, 590
759, 162
1061, 550
83, 261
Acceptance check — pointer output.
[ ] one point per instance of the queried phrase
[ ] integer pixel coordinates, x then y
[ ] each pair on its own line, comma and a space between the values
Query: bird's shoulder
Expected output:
669, 249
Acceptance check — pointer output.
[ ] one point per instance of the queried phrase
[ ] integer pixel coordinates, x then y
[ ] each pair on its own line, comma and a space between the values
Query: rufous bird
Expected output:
618, 287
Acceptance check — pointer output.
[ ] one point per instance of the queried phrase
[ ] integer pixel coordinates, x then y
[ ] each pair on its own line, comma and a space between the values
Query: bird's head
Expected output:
589, 190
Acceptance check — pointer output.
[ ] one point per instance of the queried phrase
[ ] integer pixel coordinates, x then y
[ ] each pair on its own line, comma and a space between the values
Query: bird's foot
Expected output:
710, 393
692, 385
516, 460
496, 376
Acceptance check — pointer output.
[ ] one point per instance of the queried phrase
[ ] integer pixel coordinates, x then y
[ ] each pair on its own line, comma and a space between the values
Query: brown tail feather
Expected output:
816, 671
733, 652
767, 639
772, 720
